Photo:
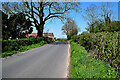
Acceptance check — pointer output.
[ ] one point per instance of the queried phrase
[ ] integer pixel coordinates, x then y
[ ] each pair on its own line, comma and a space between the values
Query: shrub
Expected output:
83, 66
10, 45
75, 38
61, 40
104, 46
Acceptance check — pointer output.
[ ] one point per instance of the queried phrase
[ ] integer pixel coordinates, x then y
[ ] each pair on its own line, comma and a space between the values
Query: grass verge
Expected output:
83, 66
23, 48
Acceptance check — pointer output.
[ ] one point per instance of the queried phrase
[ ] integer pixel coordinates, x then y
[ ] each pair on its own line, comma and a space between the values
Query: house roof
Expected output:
33, 34
48, 34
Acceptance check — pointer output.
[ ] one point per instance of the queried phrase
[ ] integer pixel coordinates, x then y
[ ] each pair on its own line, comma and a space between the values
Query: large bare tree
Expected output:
91, 15
106, 13
102, 13
40, 12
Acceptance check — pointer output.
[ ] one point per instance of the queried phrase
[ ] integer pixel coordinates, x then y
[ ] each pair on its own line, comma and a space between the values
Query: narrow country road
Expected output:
48, 61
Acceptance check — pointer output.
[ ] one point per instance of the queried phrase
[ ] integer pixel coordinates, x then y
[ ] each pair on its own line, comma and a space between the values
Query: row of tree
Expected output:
100, 18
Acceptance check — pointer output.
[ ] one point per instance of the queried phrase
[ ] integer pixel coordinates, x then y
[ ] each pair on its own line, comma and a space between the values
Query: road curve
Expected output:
48, 61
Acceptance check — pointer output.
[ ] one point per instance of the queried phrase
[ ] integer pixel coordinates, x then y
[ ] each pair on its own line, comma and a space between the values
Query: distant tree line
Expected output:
70, 28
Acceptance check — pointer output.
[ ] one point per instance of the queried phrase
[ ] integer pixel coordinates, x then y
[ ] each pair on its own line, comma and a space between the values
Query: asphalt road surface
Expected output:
48, 61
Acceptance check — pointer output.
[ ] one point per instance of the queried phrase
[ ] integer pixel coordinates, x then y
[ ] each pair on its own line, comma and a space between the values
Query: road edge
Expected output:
68, 62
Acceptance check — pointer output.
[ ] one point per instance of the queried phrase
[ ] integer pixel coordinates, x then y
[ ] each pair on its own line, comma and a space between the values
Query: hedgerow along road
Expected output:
48, 61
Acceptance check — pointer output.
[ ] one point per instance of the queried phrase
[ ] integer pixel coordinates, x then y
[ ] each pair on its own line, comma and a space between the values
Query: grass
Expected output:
23, 48
83, 66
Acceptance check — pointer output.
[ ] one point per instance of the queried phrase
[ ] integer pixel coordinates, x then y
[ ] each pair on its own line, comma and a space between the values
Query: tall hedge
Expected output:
10, 45
104, 46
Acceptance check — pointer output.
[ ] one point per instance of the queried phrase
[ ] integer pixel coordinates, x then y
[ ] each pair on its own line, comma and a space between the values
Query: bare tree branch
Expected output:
36, 11
57, 13
55, 16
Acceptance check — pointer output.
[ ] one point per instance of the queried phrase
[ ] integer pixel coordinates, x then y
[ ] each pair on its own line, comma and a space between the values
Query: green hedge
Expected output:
10, 45
61, 40
104, 46
23, 48
83, 66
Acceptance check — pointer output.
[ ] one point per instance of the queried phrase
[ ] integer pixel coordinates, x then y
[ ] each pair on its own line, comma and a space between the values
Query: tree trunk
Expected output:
68, 37
40, 30
41, 25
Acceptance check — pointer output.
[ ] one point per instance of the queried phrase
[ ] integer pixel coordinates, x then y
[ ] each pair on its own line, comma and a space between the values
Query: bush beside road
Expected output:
104, 46
11, 47
83, 66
